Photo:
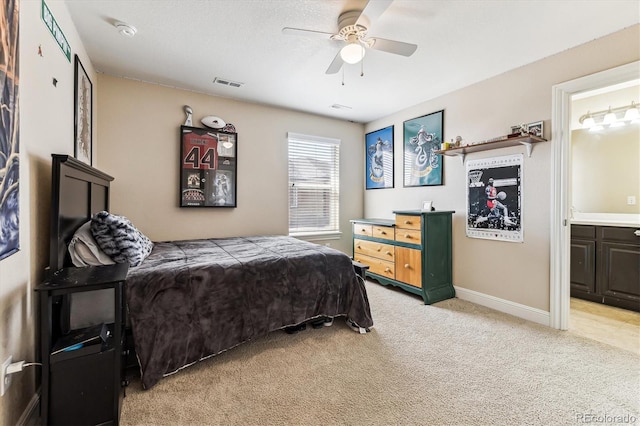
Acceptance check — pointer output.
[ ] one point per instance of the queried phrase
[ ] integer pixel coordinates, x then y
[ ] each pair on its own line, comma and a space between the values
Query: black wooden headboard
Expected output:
78, 191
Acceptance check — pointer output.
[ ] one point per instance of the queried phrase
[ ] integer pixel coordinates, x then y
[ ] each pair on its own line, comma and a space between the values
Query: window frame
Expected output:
333, 205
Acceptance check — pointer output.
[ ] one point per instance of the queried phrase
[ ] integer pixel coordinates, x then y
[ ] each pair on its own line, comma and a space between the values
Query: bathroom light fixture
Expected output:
632, 113
610, 117
588, 121
126, 29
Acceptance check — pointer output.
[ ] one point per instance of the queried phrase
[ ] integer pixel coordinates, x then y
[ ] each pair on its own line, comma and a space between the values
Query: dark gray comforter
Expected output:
190, 300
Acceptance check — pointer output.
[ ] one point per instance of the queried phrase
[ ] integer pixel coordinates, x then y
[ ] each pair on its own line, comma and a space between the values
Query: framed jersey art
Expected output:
208, 167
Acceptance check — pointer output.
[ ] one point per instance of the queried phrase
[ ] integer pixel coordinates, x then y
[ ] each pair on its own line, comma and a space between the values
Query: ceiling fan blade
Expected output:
306, 33
372, 12
336, 64
392, 46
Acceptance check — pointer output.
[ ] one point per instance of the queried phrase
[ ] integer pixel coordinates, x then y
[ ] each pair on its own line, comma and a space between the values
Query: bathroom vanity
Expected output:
605, 260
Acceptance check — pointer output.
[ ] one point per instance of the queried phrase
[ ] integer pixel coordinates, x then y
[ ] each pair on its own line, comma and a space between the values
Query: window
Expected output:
314, 184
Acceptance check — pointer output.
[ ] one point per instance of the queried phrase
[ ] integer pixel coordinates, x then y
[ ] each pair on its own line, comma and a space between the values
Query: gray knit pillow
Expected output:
119, 239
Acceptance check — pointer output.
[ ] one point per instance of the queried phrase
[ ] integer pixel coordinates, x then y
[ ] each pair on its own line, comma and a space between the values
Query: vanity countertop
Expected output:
606, 219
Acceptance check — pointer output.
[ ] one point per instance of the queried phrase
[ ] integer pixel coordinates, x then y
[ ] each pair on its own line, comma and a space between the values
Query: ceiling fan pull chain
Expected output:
343, 76
362, 66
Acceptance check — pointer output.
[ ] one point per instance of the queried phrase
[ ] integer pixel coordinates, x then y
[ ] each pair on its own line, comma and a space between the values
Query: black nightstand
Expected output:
82, 386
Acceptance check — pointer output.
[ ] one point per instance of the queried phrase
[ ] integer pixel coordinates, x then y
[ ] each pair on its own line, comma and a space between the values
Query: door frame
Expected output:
560, 230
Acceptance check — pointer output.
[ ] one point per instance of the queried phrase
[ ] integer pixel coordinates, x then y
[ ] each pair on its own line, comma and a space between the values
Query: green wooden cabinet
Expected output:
412, 251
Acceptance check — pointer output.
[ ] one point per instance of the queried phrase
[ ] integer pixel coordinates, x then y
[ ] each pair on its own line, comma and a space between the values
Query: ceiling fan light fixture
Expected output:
352, 53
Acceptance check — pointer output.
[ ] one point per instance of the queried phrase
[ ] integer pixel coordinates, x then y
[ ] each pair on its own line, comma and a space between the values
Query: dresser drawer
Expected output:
407, 222
362, 229
409, 266
377, 266
374, 249
411, 236
385, 232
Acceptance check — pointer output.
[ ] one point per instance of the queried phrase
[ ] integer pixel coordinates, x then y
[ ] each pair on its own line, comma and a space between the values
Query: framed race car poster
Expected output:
208, 167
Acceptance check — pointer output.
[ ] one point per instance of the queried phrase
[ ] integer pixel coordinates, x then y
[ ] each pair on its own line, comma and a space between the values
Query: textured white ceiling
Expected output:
187, 43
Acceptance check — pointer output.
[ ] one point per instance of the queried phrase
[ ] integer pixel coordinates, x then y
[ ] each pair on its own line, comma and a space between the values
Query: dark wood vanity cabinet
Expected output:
583, 260
605, 265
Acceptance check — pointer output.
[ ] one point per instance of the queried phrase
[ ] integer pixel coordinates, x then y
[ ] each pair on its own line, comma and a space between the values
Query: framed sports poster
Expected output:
422, 137
379, 158
208, 167
494, 198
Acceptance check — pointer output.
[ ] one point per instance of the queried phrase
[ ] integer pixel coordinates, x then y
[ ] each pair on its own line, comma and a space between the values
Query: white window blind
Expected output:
314, 184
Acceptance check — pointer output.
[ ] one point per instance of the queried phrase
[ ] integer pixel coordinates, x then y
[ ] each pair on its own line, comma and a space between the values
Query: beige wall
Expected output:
139, 133
515, 272
46, 127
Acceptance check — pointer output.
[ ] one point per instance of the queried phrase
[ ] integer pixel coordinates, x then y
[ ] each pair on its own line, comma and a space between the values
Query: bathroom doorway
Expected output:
562, 115
605, 184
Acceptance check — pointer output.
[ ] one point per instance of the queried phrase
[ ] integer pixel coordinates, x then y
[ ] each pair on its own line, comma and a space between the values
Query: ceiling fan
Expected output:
353, 27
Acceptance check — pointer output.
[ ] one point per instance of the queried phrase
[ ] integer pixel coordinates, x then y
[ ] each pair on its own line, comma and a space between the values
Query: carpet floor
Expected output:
451, 363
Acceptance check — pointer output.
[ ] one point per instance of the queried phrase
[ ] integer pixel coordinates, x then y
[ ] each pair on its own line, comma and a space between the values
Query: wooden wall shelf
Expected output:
528, 141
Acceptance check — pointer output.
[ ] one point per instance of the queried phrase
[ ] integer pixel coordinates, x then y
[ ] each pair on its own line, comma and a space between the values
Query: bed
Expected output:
191, 300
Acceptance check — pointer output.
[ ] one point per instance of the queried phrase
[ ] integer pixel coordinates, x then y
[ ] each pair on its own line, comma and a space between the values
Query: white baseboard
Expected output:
30, 415
516, 309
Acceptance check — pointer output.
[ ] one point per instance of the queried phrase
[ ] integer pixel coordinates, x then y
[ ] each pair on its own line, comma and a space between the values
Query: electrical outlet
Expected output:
6, 379
631, 200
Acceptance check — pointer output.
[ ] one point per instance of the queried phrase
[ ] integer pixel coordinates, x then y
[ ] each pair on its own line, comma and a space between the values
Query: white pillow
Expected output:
84, 250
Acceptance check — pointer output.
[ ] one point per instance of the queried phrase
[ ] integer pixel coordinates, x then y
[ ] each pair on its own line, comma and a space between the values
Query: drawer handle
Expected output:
387, 269
407, 222
379, 248
364, 229
407, 266
637, 233
358, 246
407, 236
388, 253
383, 233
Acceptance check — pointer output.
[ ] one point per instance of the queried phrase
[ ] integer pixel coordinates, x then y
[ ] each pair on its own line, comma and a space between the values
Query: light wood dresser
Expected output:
412, 252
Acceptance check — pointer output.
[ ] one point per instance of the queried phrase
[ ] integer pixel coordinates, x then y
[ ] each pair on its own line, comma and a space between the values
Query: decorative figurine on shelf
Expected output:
458, 142
524, 129
189, 112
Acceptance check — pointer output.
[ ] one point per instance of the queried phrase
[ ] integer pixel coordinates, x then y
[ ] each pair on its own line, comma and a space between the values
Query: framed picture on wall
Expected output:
208, 167
379, 158
9, 132
535, 129
494, 198
83, 114
422, 137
